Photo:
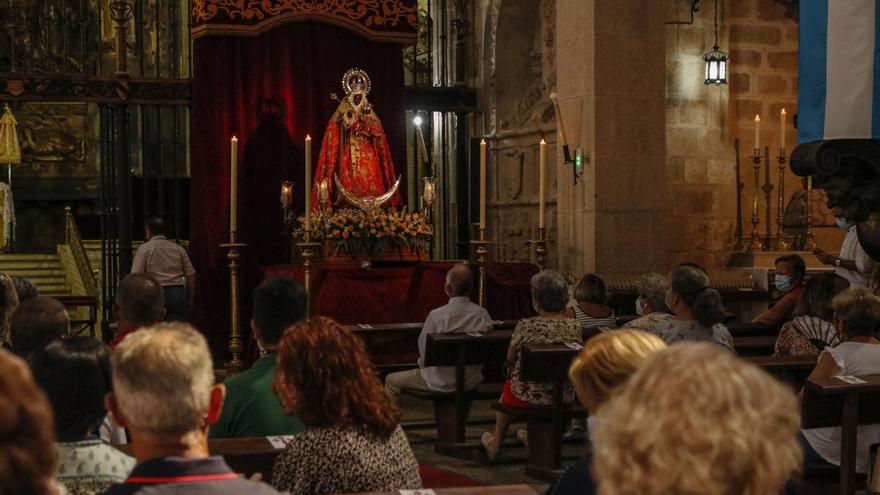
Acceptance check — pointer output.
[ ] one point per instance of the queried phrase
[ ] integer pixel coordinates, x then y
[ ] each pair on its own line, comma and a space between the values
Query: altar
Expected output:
407, 291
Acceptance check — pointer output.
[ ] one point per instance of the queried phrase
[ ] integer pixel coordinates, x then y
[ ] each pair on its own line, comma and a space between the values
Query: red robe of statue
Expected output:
356, 150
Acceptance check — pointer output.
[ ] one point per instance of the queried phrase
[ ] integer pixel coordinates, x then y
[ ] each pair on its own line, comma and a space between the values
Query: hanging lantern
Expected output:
10, 153
716, 60
716, 67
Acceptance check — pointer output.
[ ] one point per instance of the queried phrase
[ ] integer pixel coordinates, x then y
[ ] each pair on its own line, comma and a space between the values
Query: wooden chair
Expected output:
451, 409
830, 402
545, 363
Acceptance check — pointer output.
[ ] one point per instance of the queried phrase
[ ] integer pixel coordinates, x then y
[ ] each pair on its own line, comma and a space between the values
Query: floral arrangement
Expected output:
353, 231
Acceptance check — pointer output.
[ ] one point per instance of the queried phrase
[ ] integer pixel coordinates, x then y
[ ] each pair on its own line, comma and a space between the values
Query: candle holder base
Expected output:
233, 258
540, 245
482, 251
307, 251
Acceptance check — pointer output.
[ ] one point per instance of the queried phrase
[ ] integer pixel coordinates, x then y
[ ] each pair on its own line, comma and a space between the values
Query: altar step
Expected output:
45, 270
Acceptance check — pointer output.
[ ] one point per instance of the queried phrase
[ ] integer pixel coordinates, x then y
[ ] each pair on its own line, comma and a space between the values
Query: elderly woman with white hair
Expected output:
551, 326
651, 302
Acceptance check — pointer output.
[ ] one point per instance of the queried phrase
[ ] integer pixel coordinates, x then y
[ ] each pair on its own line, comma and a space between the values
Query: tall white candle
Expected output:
233, 184
542, 186
482, 183
308, 186
782, 129
757, 132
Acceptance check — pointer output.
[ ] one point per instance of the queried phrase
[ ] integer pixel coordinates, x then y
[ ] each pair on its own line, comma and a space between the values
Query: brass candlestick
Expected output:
756, 244
809, 241
781, 242
482, 255
233, 258
307, 251
540, 247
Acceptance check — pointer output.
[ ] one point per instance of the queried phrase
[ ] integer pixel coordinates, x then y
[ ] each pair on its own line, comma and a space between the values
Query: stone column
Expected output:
611, 89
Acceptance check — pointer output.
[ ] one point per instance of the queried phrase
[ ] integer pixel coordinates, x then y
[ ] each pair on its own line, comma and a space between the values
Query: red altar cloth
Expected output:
406, 292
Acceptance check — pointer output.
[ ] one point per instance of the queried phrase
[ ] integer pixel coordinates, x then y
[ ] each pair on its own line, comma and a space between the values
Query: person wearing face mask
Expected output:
651, 303
697, 310
852, 263
788, 280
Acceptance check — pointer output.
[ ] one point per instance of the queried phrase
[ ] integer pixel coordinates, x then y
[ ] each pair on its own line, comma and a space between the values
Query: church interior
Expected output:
442, 247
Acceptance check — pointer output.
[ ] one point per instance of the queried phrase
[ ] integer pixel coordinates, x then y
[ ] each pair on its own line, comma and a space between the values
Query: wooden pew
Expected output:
244, 455
754, 346
451, 409
473, 490
545, 362
740, 329
834, 402
793, 370
79, 326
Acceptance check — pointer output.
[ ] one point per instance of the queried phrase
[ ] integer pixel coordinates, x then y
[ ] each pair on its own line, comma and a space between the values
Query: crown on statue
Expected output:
356, 81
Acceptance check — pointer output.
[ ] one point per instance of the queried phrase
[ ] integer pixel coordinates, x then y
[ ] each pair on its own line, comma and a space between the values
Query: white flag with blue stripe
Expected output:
838, 95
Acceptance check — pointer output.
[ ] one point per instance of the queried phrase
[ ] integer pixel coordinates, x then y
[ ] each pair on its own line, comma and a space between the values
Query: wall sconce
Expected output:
716, 60
286, 199
577, 161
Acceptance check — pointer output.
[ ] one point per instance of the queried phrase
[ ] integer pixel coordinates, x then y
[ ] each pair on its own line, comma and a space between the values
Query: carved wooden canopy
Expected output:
378, 20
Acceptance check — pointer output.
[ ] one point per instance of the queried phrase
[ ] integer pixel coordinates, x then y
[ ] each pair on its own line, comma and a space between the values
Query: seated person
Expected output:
696, 308
606, 362
460, 315
695, 419
812, 328
74, 372
164, 393
591, 309
27, 453
8, 304
857, 317
139, 303
35, 323
551, 326
354, 442
788, 281
651, 302
251, 408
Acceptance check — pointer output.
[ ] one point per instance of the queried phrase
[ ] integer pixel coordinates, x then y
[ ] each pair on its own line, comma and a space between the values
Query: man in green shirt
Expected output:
251, 408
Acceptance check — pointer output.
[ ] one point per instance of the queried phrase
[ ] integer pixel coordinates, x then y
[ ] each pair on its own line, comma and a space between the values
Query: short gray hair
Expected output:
652, 286
460, 280
162, 378
549, 291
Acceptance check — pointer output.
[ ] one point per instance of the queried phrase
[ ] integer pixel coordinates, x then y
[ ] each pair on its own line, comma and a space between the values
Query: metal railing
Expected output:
73, 239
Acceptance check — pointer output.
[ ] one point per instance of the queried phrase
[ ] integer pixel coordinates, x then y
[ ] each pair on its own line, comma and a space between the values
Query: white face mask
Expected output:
639, 310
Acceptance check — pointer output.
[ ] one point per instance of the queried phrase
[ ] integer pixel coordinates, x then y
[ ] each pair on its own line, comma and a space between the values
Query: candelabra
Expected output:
756, 244
307, 250
540, 247
482, 250
233, 258
781, 242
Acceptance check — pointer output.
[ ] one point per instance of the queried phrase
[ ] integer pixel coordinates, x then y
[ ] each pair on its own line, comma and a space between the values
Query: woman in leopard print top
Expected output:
354, 442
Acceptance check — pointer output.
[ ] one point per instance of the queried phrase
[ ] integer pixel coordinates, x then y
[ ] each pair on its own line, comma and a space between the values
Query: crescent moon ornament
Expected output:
366, 203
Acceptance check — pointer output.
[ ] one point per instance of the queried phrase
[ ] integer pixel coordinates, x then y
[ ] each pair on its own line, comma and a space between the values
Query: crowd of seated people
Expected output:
661, 419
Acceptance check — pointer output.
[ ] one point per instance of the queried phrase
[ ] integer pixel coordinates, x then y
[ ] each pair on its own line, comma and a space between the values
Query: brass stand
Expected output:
233, 258
756, 244
307, 250
482, 255
781, 242
540, 247
809, 241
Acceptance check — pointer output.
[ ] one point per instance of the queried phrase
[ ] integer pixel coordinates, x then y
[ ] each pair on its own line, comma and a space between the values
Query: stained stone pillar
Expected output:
611, 90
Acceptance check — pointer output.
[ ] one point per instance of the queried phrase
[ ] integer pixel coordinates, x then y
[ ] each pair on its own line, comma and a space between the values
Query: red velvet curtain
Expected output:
290, 72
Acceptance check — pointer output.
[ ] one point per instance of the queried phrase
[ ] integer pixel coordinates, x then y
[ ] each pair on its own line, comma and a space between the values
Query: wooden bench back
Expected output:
824, 401
450, 349
792, 370
545, 362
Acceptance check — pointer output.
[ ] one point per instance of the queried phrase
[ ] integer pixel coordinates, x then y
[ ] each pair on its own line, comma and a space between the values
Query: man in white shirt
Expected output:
169, 263
460, 315
853, 263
